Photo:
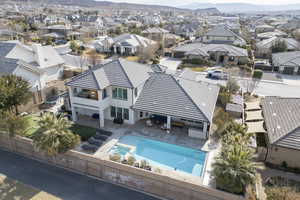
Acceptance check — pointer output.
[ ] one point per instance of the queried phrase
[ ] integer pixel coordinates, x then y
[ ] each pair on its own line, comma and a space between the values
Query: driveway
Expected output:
171, 63
62, 183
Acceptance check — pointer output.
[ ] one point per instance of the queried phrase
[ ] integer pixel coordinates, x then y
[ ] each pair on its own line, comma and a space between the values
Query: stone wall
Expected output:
150, 182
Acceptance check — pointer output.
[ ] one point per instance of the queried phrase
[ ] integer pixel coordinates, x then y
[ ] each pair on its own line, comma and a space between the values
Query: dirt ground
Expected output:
11, 189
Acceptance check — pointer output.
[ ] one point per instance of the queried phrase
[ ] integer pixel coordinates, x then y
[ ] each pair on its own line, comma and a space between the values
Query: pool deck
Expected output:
176, 136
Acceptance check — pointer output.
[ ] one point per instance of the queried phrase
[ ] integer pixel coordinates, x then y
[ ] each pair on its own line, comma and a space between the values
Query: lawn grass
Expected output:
33, 125
83, 131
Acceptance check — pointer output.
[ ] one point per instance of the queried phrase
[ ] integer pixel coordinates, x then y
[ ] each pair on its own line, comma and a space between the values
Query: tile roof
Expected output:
282, 120
178, 97
7, 65
267, 43
118, 72
286, 58
204, 49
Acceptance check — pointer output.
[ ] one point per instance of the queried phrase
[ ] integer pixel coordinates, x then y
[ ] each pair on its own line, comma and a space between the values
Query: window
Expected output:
117, 112
126, 114
113, 111
135, 91
141, 114
115, 93
104, 94
120, 93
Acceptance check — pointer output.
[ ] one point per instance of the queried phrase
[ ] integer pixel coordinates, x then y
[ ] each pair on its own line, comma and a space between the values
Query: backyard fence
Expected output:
139, 179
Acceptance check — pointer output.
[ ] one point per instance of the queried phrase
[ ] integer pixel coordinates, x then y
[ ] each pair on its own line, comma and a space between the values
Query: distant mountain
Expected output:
241, 7
106, 4
214, 11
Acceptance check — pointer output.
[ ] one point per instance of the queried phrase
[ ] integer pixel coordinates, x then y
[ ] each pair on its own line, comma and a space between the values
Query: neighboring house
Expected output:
37, 64
155, 33
267, 35
219, 53
131, 44
264, 48
125, 44
133, 91
264, 28
222, 35
287, 62
162, 36
282, 120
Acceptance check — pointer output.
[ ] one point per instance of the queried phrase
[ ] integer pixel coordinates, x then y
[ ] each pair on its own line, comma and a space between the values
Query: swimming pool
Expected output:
163, 154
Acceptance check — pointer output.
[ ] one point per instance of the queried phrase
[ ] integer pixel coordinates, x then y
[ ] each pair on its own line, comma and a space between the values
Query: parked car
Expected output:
218, 74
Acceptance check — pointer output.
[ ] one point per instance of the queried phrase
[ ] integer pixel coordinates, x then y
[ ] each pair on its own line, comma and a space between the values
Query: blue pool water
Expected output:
164, 154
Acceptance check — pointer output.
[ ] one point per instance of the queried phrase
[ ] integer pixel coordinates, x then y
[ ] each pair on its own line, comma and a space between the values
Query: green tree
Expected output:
12, 124
234, 168
55, 136
279, 46
16, 92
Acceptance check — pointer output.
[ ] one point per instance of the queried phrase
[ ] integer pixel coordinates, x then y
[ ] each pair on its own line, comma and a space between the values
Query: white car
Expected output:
218, 74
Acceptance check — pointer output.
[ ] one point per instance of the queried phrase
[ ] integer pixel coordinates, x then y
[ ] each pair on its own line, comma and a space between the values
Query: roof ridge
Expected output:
180, 86
122, 67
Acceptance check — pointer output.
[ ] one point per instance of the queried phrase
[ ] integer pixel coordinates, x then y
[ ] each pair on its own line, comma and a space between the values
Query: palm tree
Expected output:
234, 168
55, 136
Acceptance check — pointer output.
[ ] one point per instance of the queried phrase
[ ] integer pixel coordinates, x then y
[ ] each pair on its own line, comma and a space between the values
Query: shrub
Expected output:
131, 160
224, 98
144, 164
257, 74
115, 157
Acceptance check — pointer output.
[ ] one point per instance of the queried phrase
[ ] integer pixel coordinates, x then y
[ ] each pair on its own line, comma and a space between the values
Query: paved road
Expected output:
62, 183
264, 88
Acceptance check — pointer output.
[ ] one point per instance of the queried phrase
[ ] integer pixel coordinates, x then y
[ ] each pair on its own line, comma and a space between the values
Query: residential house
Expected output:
282, 121
132, 91
264, 48
37, 64
125, 44
219, 53
287, 62
222, 35
162, 36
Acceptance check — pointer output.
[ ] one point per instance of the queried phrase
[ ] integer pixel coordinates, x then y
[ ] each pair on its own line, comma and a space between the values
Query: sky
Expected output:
184, 2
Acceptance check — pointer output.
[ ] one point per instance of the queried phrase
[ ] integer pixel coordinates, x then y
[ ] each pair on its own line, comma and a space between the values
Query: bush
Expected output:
257, 74
131, 160
224, 98
115, 157
196, 61
144, 164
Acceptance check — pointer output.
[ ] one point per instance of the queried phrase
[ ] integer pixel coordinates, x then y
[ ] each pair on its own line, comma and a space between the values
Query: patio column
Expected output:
101, 118
74, 115
204, 127
168, 122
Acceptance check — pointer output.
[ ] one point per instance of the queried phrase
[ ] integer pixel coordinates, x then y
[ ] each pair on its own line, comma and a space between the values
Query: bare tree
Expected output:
147, 53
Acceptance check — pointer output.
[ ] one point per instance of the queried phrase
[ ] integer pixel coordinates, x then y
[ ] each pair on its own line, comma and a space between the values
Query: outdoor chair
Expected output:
95, 142
89, 147
103, 132
100, 137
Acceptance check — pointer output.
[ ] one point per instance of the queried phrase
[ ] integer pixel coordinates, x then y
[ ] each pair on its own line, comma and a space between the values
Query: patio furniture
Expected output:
95, 116
164, 126
100, 137
104, 132
118, 121
89, 147
95, 142
149, 123
178, 124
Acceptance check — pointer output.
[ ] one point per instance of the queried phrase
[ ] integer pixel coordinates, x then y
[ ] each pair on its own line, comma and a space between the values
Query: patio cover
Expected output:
253, 106
254, 115
256, 127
